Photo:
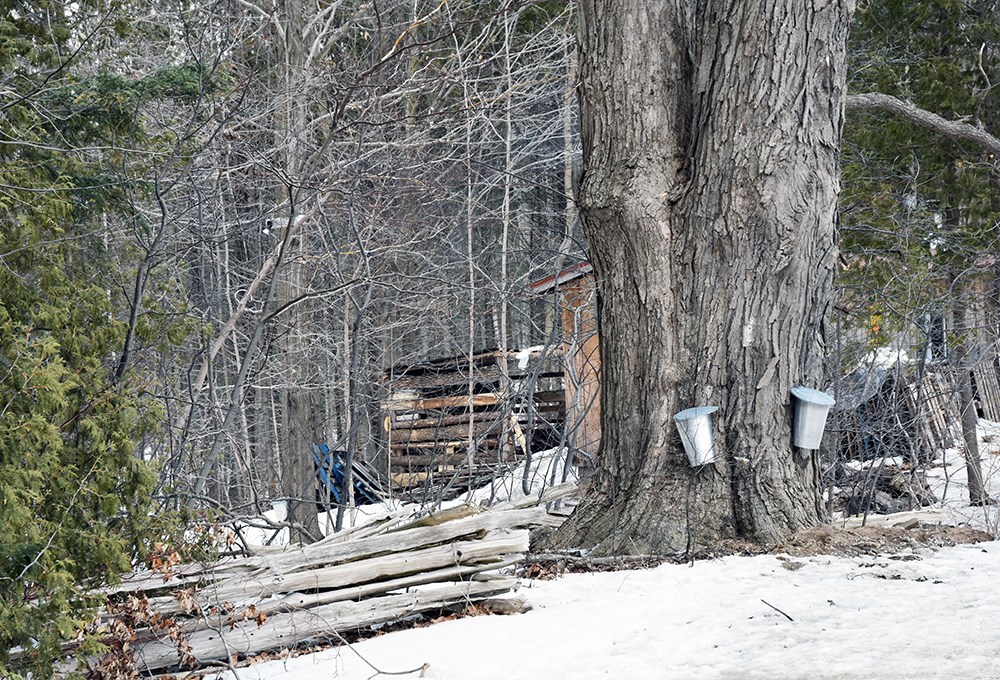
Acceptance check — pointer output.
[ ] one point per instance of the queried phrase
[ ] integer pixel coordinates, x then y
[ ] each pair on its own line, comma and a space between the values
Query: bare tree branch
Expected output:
954, 130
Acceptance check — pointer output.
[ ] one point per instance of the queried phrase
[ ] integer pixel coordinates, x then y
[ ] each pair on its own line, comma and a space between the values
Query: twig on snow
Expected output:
778, 610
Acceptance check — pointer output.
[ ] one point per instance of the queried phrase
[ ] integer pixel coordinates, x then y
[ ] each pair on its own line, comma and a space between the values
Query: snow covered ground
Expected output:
929, 615
949, 481
921, 614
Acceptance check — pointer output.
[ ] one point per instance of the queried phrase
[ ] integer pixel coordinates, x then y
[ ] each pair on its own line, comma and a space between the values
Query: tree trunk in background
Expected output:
300, 408
300, 404
709, 198
966, 402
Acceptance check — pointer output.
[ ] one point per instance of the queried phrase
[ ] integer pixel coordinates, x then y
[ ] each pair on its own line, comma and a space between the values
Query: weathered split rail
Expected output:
349, 581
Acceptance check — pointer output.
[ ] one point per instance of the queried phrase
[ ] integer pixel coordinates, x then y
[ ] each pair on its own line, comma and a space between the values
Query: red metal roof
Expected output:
565, 276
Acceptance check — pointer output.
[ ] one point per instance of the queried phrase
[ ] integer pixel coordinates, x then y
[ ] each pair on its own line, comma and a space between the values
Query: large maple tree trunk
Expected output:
711, 132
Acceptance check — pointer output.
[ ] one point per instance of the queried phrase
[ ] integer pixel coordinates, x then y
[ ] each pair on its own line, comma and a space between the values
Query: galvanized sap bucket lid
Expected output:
812, 396
696, 412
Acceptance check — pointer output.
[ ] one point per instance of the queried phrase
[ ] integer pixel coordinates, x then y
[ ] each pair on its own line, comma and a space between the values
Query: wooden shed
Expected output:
577, 304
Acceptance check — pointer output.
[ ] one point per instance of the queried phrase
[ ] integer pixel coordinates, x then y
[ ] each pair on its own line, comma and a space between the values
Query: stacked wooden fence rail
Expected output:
351, 580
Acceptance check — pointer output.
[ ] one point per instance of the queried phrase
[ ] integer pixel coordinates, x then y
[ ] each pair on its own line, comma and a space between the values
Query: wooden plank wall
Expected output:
583, 365
434, 427
933, 401
987, 386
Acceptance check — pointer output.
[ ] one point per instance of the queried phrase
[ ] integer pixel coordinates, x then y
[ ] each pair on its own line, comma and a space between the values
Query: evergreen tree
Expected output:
74, 497
920, 215
919, 210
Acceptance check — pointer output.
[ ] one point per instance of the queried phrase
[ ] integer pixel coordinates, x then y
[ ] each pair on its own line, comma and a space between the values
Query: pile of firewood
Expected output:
884, 489
348, 582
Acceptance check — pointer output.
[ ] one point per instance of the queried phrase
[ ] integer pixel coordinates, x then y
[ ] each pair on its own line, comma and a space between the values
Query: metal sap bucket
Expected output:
811, 408
697, 434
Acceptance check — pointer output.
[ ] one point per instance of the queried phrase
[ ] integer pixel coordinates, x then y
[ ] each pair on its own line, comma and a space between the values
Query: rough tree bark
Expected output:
711, 140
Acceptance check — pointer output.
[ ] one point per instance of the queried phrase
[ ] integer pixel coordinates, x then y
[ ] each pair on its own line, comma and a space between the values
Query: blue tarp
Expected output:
330, 470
